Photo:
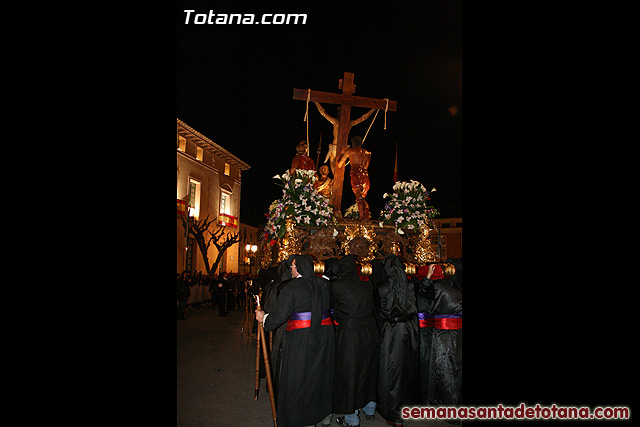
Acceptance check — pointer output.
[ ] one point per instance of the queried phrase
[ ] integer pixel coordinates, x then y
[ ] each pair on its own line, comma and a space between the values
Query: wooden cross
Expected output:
346, 100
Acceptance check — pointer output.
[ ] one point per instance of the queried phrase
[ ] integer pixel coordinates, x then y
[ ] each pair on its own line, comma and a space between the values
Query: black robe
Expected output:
267, 281
357, 356
281, 276
399, 379
305, 366
440, 349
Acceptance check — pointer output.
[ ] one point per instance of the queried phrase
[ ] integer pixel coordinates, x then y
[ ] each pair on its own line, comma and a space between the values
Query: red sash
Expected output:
440, 321
303, 320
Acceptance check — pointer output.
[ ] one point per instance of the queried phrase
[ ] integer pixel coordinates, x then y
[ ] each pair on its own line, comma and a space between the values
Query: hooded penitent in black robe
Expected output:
357, 356
440, 307
281, 276
305, 366
399, 379
267, 282
264, 282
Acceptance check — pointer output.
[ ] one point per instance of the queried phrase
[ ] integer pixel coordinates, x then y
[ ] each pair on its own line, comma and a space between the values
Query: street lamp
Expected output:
251, 250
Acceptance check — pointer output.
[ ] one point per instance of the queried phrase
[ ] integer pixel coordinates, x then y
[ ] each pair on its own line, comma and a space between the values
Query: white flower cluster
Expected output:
407, 207
300, 200
411, 187
408, 186
300, 174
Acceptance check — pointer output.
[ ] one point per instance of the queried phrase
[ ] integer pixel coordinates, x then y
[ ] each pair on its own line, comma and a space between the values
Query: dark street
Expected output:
216, 375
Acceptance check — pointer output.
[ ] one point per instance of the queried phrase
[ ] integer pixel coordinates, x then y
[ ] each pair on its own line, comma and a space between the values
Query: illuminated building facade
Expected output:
209, 181
451, 236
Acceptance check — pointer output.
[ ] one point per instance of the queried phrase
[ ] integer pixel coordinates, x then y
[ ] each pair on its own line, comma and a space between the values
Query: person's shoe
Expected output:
342, 422
327, 420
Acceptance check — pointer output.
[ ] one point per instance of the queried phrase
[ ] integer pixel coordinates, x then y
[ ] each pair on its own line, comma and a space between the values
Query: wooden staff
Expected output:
261, 337
257, 363
250, 314
245, 320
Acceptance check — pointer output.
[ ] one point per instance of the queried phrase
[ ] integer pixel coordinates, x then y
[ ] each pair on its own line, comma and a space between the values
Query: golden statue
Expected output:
324, 184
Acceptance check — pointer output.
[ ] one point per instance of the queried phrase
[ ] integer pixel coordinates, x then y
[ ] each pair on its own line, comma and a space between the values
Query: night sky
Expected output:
235, 84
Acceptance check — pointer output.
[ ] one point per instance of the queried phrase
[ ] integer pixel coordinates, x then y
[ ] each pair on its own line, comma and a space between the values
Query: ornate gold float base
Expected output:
290, 243
424, 253
367, 240
359, 240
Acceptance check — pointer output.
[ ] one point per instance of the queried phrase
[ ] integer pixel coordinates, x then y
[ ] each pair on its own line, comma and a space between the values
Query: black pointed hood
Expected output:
304, 265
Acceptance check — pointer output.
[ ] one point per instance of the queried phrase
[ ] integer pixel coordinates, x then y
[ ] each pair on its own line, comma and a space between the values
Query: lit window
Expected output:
225, 203
182, 144
194, 198
227, 169
199, 153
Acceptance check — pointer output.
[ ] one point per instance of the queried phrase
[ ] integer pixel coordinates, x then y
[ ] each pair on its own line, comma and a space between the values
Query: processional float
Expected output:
417, 241
303, 222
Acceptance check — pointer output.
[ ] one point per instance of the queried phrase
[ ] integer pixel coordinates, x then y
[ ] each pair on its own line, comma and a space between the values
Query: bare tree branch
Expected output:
197, 230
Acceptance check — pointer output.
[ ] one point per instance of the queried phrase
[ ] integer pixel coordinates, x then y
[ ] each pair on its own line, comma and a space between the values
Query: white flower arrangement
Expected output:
352, 212
299, 200
407, 207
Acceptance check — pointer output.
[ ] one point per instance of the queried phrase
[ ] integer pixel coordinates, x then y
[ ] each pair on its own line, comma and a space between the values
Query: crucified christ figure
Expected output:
331, 155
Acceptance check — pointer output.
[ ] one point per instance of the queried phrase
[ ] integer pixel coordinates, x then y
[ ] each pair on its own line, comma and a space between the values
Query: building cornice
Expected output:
196, 161
185, 130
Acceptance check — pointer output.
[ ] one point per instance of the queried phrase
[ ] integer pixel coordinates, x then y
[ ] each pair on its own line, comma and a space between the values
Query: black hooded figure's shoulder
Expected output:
304, 265
457, 277
378, 274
